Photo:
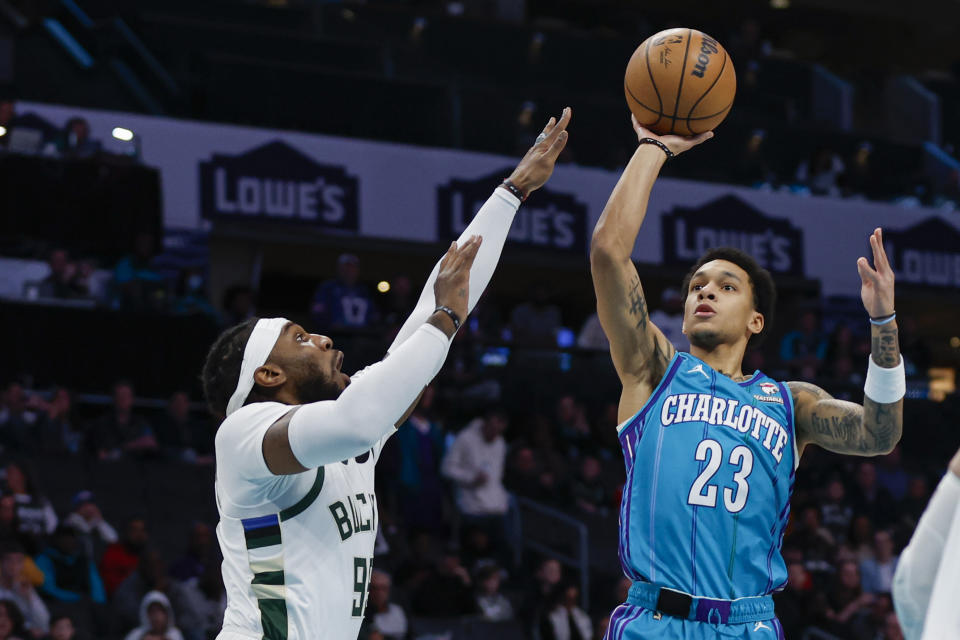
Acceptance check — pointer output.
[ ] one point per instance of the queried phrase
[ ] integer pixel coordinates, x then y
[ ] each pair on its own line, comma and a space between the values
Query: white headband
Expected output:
262, 340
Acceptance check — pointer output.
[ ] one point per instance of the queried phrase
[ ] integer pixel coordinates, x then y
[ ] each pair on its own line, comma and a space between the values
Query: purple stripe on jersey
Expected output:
614, 618
779, 628
625, 529
633, 614
756, 376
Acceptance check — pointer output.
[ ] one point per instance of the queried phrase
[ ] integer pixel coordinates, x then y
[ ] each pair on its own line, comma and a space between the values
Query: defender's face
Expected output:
310, 360
719, 306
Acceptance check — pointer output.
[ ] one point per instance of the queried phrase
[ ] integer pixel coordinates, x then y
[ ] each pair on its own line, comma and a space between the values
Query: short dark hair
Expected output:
222, 367
761, 282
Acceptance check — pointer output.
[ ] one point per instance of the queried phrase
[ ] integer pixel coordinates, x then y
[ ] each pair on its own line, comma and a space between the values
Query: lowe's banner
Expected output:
225, 174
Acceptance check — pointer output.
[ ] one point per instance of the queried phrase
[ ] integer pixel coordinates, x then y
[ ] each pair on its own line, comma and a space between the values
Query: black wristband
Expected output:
664, 147
515, 190
453, 315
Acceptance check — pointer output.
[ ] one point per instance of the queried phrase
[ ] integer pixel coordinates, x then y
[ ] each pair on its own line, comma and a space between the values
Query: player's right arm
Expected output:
639, 350
319, 433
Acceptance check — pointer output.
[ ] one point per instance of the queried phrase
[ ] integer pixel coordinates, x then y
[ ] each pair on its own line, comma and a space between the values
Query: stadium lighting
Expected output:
383, 286
3, 131
122, 134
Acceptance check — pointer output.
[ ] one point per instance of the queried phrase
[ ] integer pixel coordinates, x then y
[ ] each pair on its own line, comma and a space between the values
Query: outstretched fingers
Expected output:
558, 128
880, 260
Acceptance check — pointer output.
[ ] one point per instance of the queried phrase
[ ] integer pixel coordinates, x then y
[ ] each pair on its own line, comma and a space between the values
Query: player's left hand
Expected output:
877, 288
536, 167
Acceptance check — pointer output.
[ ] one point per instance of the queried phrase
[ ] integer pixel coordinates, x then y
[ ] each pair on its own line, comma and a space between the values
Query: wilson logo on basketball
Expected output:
708, 47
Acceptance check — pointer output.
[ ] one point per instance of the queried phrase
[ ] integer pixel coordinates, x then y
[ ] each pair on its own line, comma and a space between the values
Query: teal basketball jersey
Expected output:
710, 467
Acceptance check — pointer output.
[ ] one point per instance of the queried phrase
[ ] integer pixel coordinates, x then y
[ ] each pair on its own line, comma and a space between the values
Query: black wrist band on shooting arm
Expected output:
515, 190
450, 312
664, 147
883, 319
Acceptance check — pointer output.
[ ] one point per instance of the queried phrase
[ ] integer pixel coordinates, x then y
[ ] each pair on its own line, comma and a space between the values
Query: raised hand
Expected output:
536, 166
453, 280
676, 144
876, 290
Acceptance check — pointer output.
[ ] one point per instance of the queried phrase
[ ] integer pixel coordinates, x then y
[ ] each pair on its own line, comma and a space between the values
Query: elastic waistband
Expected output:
683, 605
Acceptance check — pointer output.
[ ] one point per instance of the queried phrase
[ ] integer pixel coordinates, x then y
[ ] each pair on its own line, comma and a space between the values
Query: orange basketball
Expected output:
680, 81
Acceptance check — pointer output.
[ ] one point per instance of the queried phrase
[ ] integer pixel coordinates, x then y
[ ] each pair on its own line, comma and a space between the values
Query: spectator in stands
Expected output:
151, 575
572, 426
137, 284
492, 604
191, 295
669, 318
61, 628
11, 621
69, 576
589, 492
847, 601
870, 626
819, 173
565, 620
475, 464
890, 474
843, 355
183, 437
835, 513
870, 498
891, 628
121, 430
804, 348
209, 599
878, 571
752, 167
17, 589
860, 539
813, 540
388, 617
860, 176
419, 450
239, 305
400, 302
156, 619
528, 475
343, 303
534, 323
445, 591
592, 336
58, 434
199, 553
121, 558
95, 533
546, 580
912, 506
76, 141
62, 281
35, 514
793, 603
18, 419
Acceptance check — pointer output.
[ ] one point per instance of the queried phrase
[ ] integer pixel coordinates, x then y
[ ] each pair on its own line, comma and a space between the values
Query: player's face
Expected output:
719, 306
311, 364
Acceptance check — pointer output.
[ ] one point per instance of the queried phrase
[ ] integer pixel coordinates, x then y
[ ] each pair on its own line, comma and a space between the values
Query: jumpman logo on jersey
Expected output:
699, 368
760, 625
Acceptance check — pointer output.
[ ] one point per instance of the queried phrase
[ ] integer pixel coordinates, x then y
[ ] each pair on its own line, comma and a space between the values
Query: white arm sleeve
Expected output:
332, 430
492, 223
913, 582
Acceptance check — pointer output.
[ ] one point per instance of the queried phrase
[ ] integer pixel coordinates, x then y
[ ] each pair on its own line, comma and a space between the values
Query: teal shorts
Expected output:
629, 622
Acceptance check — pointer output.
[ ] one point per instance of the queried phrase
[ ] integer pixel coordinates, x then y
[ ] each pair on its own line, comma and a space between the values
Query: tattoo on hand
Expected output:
463, 293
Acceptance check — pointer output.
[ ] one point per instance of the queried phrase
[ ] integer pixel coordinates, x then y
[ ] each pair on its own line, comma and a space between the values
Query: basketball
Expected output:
680, 81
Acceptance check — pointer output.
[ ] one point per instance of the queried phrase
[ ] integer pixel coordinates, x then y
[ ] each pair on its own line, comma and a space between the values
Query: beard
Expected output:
706, 339
314, 385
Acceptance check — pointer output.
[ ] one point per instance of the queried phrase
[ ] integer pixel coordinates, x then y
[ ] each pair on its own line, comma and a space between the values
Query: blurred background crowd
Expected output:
499, 497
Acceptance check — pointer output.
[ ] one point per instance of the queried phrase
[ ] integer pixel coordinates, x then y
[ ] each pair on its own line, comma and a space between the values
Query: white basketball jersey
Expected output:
297, 550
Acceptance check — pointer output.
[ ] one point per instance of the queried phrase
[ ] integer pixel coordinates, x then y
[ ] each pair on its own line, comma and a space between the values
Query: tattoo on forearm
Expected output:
846, 427
885, 345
